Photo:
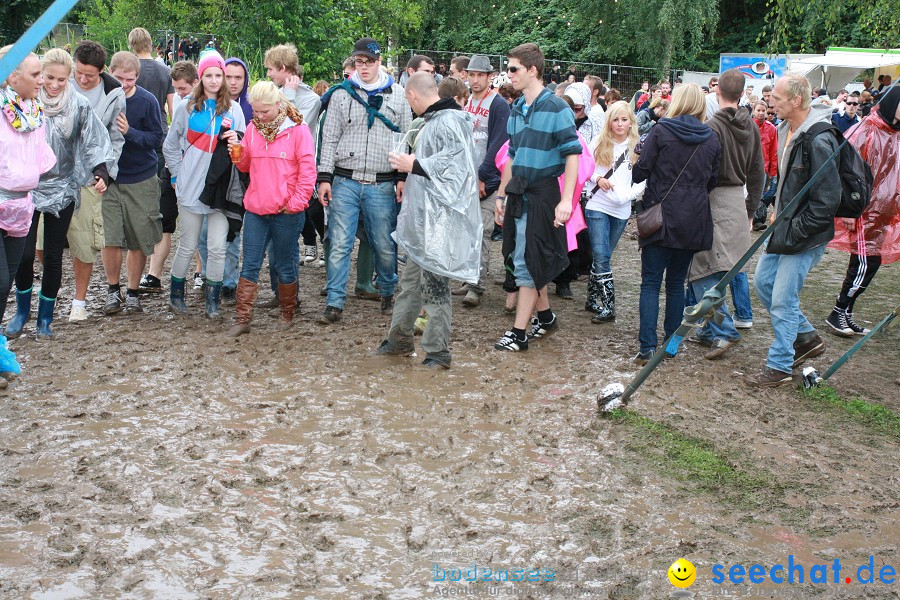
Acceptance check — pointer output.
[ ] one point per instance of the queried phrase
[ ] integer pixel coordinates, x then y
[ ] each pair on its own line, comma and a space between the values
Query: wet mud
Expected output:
151, 456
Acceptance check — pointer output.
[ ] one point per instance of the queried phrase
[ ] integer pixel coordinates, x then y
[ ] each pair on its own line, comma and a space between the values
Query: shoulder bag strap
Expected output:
611, 171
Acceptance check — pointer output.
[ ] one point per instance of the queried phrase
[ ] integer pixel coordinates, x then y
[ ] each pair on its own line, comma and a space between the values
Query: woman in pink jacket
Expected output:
24, 157
277, 151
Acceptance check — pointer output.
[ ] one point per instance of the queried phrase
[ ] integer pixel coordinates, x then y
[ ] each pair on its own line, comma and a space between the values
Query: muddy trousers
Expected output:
860, 273
420, 288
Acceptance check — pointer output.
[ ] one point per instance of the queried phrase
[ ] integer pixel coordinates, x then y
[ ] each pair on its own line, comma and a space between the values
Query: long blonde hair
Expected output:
603, 154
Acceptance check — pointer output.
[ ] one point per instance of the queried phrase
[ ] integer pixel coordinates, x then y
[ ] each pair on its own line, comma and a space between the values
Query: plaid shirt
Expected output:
348, 143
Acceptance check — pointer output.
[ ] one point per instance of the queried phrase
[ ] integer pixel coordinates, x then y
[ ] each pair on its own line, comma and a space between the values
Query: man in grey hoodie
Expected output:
283, 68
86, 230
798, 242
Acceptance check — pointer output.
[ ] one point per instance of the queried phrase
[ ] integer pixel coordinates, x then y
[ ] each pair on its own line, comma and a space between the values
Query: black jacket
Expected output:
687, 219
811, 222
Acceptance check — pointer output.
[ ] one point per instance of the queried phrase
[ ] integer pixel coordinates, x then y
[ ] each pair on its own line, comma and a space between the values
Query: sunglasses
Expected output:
712, 85
852, 103
515, 69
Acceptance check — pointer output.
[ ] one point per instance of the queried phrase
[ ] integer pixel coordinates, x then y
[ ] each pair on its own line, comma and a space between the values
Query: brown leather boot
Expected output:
287, 296
243, 311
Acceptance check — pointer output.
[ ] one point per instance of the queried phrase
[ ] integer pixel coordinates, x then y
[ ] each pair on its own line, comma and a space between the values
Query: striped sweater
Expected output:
541, 137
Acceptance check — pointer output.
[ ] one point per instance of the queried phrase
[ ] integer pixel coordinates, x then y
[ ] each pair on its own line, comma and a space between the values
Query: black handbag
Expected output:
649, 221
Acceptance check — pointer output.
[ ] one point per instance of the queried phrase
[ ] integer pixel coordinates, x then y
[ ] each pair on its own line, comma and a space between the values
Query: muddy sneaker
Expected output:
472, 299
642, 358
434, 364
718, 348
331, 315
78, 313
133, 305
564, 291
388, 347
387, 305
198, 281
461, 290
857, 330
540, 330
113, 303
150, 284
768, 378
837, 321
807, 345
510, 343
310, 254
743, 323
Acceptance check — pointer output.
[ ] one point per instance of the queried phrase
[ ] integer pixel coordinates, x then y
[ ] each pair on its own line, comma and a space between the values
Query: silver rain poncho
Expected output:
80, 142
439, 225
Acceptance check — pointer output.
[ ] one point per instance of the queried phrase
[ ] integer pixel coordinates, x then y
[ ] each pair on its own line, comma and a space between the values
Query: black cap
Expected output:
367, 47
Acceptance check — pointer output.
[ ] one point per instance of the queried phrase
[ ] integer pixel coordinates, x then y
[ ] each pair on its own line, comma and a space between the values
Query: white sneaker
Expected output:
198, 281
741, 324
78, 313
310, 253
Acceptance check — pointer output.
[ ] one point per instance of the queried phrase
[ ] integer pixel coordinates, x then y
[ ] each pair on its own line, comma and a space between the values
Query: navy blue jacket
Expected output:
145, 134
687, 219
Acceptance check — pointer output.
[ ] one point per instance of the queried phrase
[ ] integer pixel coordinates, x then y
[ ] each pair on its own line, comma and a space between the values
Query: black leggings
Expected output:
10, 255
860, 273
55, 230
314, 222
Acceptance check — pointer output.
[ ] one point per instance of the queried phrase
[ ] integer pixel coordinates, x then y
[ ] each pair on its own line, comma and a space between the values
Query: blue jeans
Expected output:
778, 281
273, 269
740, 295
520, 269
232, 256
378, 204
712, 331
604, 231
654, 261
283, 229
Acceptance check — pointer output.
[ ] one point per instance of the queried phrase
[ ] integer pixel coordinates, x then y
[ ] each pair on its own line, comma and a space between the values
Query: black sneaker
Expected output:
331, 315
150, 284
387, 305
540, 330
837, 321
113, 303
434, 364
510, 343
564, 291
857, 330
388, 347
133, 305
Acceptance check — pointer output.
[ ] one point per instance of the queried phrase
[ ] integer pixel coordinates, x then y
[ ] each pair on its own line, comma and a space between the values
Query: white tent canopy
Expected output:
839, 66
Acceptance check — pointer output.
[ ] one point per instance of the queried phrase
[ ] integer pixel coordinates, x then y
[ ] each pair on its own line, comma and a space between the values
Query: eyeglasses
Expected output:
363, 63
513, 69
852, 103
712, 85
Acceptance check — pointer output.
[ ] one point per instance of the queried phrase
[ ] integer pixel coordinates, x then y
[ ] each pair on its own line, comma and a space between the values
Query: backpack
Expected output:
856, 175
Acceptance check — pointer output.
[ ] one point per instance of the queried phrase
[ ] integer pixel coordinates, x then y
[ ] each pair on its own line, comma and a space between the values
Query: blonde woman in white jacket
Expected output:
609, 203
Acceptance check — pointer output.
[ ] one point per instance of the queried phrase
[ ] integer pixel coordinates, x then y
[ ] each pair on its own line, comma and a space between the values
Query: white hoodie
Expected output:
617, 201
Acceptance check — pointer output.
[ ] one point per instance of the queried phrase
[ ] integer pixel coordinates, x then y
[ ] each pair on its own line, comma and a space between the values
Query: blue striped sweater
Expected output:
541, 137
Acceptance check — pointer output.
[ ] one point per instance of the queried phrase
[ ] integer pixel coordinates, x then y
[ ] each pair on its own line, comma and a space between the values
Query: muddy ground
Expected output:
153, 457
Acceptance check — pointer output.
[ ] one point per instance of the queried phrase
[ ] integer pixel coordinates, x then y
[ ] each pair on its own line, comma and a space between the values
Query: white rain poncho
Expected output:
80, 142
439, 225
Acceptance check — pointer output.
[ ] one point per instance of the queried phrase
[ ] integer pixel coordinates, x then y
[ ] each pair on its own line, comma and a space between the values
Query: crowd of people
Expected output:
110, 154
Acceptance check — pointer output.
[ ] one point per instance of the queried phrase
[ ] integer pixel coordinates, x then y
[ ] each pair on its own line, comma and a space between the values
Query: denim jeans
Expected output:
604, 231
712, 331
778, 281
273, 268
232, 256
740, 295
520, 269
378, 205
283, 229
654, 261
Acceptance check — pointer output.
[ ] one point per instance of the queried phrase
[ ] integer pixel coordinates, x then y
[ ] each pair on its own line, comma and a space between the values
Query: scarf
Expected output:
373, 92
270, 130
384, 81
54, 106
23, 115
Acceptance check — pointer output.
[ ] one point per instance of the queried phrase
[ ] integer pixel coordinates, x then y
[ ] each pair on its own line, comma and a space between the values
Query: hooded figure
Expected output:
439, 225
243, 100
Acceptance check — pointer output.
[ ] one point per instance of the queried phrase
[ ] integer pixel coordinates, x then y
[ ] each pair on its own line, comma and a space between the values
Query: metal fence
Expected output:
626, 79
65, 35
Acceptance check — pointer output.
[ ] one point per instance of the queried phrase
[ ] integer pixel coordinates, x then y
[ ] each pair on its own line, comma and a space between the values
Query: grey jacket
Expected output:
811, 222
307, 102
112, 103
80, 143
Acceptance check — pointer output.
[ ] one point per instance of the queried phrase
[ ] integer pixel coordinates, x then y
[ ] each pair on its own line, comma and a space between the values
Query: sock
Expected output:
79, 303
132, 293
519, 333
546, 316
114, 287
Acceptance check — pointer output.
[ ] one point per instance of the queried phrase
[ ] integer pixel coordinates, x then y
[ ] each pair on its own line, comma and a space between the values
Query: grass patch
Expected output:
697, 461
875, 416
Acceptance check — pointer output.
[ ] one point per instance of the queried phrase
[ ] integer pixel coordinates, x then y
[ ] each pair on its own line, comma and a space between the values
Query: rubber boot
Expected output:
593, 294
45, 316
23, 312
176, 296
365, 267
9, 366
243, 311
213, 292
287, 295
607, 300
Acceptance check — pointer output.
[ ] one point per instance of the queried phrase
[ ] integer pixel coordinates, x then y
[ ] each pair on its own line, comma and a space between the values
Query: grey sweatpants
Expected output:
420, 288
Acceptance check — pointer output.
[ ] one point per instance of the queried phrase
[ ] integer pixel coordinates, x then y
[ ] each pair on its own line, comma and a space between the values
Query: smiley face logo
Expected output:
682, 573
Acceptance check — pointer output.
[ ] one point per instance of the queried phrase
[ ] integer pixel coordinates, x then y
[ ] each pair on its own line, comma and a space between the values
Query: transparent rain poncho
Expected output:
439, 225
